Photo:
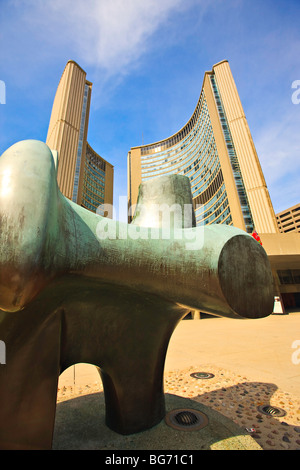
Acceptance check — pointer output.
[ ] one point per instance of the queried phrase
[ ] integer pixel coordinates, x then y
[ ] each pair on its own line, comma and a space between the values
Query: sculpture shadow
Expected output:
245, 403
80, 425
232, 413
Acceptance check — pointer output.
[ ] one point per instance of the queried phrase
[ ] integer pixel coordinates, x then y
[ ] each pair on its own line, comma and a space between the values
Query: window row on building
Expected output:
289, 220
192, 152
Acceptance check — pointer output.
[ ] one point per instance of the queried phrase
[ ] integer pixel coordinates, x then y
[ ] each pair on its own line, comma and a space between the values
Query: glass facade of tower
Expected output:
80, 144
93, 180
192, 152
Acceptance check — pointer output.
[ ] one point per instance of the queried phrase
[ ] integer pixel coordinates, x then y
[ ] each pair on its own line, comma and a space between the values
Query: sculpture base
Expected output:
80, 425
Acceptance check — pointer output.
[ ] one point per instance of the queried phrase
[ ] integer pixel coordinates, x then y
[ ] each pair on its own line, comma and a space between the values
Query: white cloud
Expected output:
108, 38
110, 34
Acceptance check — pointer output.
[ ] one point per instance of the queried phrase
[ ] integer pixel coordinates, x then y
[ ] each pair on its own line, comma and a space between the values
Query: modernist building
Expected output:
289, 220
216, 151
83, 176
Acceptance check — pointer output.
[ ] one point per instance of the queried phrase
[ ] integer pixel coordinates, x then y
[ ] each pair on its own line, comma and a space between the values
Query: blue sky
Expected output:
146, 59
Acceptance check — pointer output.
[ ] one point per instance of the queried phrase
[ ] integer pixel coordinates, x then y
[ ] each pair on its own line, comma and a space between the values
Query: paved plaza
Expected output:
252, 363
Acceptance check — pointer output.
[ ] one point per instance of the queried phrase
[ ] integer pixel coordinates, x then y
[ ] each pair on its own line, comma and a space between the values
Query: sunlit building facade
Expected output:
289, 219
97, 184
83, 176
216, 151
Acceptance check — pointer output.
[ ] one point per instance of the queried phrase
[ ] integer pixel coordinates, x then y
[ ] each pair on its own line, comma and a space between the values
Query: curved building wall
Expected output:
205, 151
192, 152
97, 187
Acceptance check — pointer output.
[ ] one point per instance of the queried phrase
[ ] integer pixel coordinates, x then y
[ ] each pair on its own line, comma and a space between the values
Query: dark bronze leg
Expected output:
28, 385
125, 334
133, 376
134, 399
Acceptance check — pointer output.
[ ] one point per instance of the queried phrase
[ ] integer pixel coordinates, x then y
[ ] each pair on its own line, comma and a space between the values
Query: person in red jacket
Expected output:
256, 236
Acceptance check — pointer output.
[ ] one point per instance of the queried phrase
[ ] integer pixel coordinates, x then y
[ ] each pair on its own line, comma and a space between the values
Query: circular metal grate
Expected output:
186, 420
271, 410
202, 375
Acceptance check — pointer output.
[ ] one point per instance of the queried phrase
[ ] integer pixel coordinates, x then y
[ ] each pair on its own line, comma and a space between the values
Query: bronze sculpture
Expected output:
76, 287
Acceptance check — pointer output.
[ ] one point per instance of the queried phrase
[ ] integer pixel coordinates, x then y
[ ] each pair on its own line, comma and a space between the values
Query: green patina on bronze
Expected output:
76, 287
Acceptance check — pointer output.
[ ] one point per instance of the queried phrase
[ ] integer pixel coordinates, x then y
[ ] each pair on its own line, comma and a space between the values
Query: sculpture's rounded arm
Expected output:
215, 268
27, 211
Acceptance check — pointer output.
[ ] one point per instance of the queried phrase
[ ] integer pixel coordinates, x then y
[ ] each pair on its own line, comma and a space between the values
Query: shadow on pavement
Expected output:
235, 421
